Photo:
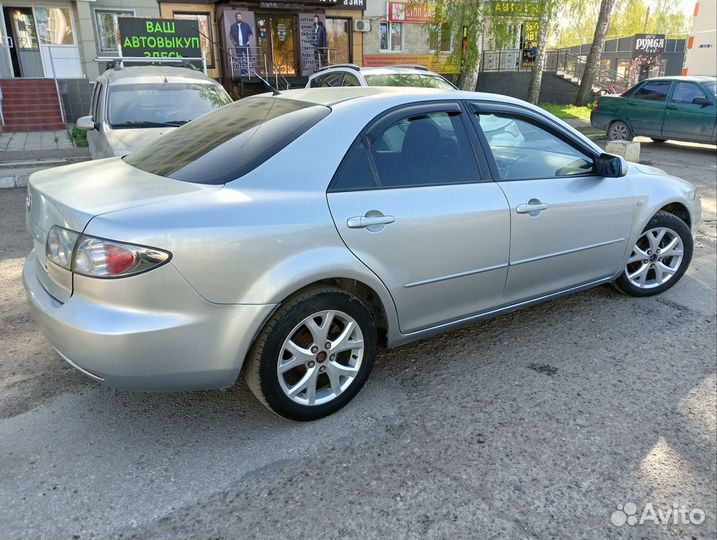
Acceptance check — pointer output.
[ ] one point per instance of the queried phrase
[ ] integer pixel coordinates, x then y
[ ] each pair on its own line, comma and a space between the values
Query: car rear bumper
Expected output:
183, 343
598, 120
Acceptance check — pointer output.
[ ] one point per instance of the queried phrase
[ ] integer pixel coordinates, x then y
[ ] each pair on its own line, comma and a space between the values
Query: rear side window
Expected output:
654, 91
229, 142
355, 172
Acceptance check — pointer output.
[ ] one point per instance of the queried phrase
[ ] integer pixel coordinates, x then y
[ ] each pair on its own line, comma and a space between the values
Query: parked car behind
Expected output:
679, 108
132, 106
286, 236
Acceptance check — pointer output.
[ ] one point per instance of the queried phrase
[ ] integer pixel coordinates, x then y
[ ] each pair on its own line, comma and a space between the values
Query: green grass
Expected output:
568, 111
79, 137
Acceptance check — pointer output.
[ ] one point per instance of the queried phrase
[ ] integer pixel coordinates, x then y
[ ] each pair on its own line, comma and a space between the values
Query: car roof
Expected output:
691, 78
154, 74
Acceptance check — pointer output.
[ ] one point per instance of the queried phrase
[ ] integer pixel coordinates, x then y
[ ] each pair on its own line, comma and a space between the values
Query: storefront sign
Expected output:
410, 13
159, 38
649, 45
530, 43
354, 5
516, 8
443, 63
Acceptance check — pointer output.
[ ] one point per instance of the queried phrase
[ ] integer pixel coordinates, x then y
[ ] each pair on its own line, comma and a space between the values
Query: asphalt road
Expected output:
537, 424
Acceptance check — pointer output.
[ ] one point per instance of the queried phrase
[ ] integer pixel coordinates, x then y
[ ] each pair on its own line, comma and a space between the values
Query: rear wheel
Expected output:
314, 354
619, 131
659, 258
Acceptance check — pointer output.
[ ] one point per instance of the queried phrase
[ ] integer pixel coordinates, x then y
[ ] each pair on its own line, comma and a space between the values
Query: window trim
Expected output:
387, 118
389, 50
490, 107
95, 22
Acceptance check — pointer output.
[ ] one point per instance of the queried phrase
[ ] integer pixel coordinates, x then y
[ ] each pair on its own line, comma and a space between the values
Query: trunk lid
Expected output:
71, 196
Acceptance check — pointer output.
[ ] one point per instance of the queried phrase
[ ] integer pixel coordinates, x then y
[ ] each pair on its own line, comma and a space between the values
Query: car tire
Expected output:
619, 131
658, 141
286, 354
648, 270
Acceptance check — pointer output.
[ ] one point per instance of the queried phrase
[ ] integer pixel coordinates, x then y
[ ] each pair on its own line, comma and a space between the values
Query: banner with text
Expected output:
159, 38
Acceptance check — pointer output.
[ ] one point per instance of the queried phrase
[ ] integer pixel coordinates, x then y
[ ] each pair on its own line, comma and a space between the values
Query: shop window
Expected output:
108, 30
54, 26
205, 33
390, 36
441, 39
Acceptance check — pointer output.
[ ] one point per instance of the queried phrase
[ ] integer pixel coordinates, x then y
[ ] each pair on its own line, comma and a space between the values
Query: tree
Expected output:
592, 64
536, 71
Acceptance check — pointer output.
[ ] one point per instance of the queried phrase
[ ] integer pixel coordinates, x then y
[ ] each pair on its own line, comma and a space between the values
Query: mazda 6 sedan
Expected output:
286, 237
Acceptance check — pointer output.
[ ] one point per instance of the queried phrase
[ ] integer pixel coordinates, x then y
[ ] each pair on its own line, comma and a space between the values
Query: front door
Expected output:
690, 113
645, 107
339, 34
568, 226
409, 202
277, 37
25, 54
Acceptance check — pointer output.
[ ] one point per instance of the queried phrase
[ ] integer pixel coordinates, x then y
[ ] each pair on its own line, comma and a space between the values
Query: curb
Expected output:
14, 181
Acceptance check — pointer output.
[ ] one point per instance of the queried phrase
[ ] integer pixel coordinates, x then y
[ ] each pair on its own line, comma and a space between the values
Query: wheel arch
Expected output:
679, 210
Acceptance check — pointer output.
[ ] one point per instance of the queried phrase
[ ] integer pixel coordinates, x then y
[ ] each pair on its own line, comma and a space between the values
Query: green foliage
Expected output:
568, 111
79, 137
628, 18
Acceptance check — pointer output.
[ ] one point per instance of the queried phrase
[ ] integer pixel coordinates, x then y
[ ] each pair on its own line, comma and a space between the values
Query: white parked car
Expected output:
134, 105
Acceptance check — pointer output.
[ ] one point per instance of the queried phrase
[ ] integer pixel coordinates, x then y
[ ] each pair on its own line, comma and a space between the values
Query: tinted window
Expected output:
226, 144
316, 81
424, 149
523, 150
141, 105
685, 92
355, 172
330, 79
653, 91
350, 80
408, 79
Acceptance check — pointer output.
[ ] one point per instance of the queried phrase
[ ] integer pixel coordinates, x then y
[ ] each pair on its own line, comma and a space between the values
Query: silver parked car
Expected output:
132, 106
288, 236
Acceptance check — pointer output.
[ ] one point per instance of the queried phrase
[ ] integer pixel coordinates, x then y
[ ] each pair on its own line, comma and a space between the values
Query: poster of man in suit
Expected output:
240, 31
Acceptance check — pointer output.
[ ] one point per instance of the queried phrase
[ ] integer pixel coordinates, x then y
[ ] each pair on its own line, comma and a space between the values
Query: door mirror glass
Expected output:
610, 166
701, 100
86, 123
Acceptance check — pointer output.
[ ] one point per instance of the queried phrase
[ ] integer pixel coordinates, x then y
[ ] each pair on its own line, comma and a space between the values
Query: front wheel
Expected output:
313, 355
619, 131
659, 258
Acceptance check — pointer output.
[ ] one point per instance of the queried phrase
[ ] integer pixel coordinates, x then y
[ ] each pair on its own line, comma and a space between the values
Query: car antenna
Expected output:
274, 91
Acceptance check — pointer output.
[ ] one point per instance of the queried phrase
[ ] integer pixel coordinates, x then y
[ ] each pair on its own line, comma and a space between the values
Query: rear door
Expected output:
411, 201
690, 113
646, 106
569, 227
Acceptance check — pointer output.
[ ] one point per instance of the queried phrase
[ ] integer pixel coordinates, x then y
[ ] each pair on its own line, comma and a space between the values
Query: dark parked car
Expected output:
679, 108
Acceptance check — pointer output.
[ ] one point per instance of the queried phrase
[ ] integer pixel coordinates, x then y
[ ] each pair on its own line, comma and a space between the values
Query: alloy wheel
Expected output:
321, 358
655, 258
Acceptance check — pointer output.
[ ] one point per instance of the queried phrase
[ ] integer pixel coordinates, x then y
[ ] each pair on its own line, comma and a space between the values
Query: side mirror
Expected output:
86, 123
610, 166
701, 100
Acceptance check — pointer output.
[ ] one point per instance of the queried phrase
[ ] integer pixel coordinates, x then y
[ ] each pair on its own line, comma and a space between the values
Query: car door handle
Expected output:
533, 207
361, 222
671, 108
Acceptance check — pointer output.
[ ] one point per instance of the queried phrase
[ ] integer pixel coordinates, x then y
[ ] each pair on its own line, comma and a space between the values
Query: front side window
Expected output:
687, 93
525, 151
390, 36
408, 79
226, 144
54, 26
205, 36
171, 104
653, 91
108, 30
425, 149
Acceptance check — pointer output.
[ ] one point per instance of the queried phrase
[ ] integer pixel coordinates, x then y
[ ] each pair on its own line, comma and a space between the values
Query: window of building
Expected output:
390, 36
54, 26
441, 39
107, 29
205, 33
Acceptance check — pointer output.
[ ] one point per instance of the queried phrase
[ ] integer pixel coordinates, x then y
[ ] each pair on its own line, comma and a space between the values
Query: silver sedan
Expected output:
288, 236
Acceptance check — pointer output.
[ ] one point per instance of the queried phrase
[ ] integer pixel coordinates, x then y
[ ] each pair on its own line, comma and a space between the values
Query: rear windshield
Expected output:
409, 79
162, 104
228, 143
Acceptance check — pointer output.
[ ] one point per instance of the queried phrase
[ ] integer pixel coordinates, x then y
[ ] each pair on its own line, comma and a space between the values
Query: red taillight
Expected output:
118, 259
